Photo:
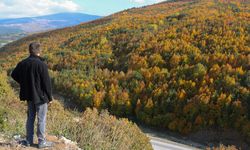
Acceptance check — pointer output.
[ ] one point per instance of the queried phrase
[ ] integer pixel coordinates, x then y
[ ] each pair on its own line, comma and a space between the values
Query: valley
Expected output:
8, 38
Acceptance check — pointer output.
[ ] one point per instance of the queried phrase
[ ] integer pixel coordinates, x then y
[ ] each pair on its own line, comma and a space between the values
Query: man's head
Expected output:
34, 48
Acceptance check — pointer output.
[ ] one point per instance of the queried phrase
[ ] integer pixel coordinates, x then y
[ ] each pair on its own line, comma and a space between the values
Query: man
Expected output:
33, 78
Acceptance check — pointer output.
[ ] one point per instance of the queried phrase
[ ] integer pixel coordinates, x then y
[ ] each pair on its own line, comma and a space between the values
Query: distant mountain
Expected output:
14, 29
43, 23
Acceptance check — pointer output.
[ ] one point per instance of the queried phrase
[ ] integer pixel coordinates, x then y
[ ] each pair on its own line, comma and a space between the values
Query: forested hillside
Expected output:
180, 65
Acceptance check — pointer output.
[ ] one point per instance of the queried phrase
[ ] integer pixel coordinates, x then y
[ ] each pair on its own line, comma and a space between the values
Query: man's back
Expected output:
32, 75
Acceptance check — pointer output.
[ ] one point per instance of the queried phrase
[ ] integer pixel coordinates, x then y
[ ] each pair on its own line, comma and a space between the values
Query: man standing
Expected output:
35, 87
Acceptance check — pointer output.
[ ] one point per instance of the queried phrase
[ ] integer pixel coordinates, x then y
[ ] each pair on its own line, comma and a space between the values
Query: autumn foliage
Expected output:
180, 65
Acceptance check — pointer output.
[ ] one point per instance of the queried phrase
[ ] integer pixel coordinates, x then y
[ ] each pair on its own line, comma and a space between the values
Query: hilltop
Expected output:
178, 65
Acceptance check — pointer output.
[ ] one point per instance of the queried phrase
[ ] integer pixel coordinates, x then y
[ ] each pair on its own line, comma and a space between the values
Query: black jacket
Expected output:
33, 77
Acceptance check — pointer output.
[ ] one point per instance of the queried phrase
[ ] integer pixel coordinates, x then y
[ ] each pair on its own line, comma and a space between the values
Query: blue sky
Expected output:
105, 7
29, 8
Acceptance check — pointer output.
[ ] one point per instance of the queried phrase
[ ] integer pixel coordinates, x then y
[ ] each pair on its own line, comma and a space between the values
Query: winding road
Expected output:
163, 144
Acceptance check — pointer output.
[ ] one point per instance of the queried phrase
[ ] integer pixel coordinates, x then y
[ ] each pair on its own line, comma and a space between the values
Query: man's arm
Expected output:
46, 82
15, 74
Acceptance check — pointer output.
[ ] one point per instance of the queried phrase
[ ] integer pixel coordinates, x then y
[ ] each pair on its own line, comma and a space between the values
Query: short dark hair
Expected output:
34, 48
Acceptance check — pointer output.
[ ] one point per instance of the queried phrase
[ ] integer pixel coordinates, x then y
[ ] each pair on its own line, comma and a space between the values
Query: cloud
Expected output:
138, 1
158, 1
28, 8
144, 1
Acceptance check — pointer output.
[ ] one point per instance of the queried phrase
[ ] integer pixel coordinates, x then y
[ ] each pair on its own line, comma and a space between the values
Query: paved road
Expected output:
163, 144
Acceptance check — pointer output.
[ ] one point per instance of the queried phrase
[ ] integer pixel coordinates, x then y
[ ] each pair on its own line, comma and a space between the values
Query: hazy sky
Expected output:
28, 8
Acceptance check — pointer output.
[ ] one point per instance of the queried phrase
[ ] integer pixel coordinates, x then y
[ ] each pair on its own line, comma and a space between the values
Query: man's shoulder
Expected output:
33, 61
23, 61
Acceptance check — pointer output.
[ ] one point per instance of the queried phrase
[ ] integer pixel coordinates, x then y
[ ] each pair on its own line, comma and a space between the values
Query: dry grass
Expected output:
97, 130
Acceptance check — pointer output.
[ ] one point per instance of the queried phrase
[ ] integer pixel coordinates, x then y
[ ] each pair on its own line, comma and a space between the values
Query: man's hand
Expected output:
50, 103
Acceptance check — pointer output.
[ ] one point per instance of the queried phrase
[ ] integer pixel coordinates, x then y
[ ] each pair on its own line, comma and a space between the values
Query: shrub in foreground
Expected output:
99, 130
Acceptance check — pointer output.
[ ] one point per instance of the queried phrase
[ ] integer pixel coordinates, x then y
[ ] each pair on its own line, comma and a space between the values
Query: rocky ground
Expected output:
60, 144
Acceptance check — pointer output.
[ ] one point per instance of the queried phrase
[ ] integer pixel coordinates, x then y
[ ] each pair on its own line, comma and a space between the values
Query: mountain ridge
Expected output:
57, 20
